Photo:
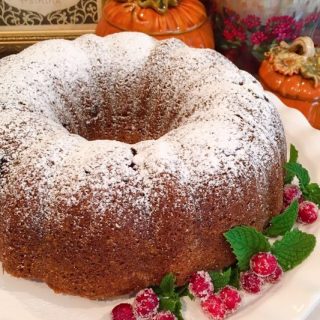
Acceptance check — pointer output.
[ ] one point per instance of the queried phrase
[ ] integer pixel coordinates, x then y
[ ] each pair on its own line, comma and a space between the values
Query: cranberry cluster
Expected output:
264, 269
144, 307
215, 305
308, 211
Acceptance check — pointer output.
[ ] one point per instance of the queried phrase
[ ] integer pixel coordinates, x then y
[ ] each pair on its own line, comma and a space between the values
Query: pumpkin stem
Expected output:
299, 57
160, 6
303, 46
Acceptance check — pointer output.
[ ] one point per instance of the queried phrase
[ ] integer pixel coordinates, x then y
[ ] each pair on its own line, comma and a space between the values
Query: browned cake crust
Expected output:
202, 151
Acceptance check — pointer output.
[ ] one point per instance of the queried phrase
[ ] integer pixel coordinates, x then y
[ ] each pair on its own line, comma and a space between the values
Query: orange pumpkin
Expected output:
285, 73
186, 20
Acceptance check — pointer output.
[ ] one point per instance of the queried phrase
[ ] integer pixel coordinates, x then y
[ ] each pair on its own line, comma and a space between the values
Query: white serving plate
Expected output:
294, 298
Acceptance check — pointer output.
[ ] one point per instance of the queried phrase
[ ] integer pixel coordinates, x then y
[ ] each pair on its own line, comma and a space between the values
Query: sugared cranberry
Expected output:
263, 264
214, 307
231, 298
164, 315
200, 284
275, 276
146, 304
123, 311
250, 282
291, 192
308, 212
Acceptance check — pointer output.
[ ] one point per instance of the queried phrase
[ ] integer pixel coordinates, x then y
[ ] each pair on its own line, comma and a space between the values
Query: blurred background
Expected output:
242, 30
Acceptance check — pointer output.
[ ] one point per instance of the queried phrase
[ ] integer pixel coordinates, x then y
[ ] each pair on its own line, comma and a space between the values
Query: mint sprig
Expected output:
169, 295
245, 242
310, 191
293, 248
300, 172
220, 279
284, 222
167, 285
293, 159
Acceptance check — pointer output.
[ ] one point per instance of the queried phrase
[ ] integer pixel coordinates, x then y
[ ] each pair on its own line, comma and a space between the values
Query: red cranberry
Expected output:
250, 282
200, 284
214, 307
164, 315
291, 192
146, 304
123, 311
308, 212
231, 298
275, 276
263, 264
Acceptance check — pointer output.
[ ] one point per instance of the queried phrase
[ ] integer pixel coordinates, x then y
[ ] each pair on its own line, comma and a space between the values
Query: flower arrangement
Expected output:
252, 34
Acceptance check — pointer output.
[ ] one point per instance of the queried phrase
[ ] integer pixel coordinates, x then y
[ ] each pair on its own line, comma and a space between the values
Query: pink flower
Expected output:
228, 35
283, 28
251, 21
312, 18
258, 37
233, 32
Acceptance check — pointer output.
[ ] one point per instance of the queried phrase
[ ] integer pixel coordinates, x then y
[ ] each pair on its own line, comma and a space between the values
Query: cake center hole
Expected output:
129, 124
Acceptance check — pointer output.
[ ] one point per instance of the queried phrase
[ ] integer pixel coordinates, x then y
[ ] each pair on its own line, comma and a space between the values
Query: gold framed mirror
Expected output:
24, 22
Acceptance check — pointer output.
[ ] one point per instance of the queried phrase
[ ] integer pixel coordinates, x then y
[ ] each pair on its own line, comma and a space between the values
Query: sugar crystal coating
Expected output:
200, 284
308, 212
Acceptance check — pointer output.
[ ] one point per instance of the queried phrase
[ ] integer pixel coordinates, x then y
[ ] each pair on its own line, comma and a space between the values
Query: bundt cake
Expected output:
124, 158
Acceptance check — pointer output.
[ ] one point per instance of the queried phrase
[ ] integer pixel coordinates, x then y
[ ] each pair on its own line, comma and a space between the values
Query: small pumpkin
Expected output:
183, 19
292, 72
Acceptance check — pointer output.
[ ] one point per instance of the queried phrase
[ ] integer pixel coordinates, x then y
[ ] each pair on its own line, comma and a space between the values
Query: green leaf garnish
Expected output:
171, 304
245, 242
220, 279
283, 222
167, 284
293, 248
300, 172
293, 159
235, 277
312, 192
169, 295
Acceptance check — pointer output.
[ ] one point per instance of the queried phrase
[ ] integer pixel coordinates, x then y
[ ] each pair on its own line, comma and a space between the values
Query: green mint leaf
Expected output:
300, 172
169, 295
172, 304
312, 192
220, 279
283, 222
168, 304
167, 284
178, 310
245, 242
293, 159
235, 277
293, 248
293, 153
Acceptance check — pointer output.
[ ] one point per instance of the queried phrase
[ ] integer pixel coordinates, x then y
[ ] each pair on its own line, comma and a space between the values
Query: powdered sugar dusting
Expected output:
189, 115
221, 122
